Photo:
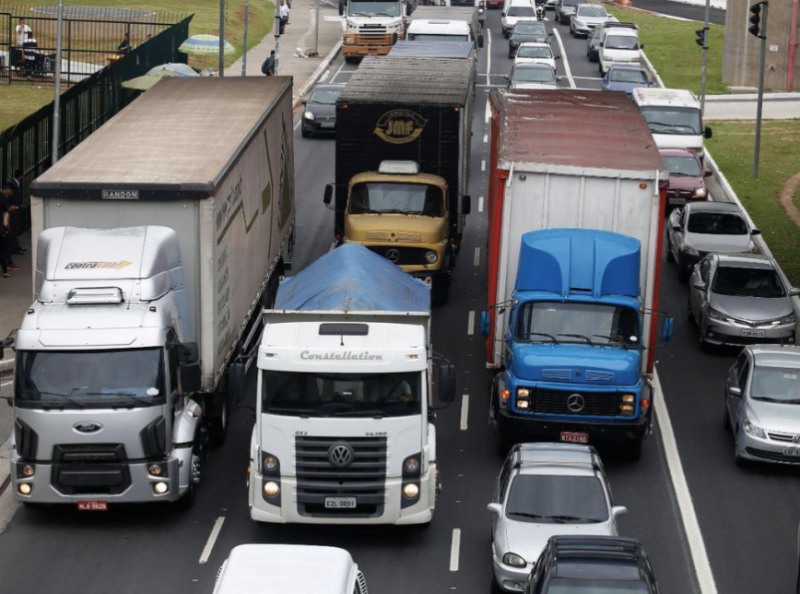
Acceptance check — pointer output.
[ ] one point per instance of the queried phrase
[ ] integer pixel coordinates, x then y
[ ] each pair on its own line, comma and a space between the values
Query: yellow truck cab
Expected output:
403, 215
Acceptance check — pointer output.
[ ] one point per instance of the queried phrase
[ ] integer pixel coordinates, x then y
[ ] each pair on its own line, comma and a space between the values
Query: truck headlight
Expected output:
410, 490
349, 41
753, 430
271, 488
431, 257
523, 392
28, 470
626, 409
25, 488
155, 469
308, 115
160, 488
513, 560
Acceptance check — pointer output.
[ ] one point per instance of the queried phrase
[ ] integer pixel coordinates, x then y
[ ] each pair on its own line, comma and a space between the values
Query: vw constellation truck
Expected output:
158, 240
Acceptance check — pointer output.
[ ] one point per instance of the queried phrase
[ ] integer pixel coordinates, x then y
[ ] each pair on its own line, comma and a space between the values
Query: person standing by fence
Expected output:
15, 202
5, 231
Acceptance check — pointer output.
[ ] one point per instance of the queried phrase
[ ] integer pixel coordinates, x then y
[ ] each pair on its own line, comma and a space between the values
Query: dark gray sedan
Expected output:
319, 116
526, 31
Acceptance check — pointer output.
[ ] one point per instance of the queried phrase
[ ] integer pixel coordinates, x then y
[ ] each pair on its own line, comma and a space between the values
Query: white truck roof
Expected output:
278, 569
438, 27
665, 98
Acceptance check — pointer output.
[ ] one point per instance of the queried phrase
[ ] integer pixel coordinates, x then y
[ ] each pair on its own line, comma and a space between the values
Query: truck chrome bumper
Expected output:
539, 428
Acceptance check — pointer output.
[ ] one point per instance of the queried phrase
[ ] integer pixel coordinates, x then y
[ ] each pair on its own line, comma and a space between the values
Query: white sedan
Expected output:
535, 53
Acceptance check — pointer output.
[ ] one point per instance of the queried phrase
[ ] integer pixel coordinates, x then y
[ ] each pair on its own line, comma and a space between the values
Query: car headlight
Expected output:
718, 315
753, 430
790, 319
689, 251
580, 24
431, 257
513, 560
701, 192
308, 115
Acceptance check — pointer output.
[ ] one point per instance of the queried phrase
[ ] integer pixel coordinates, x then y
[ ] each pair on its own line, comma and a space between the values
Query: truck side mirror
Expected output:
237, 381
707, 132
486, 323
189, 377
446, 383
641, 47
601, 44
466, 205
6, 343
328, 194
480, 41
666, 330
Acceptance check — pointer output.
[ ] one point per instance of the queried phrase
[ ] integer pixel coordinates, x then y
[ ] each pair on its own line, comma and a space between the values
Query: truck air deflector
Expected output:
563, 261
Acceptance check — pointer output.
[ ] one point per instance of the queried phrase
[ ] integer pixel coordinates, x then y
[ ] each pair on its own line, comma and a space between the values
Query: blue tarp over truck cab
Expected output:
564, 261
352, 278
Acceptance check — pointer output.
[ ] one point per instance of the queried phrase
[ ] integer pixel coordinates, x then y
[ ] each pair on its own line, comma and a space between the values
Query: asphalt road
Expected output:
748, 517
684, 11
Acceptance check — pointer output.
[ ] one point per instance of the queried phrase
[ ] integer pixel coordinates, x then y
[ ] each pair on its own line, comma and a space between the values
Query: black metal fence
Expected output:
92, 37
84, 107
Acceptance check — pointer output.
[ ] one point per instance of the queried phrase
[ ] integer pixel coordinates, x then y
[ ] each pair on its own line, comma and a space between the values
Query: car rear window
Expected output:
534, 52
717, 223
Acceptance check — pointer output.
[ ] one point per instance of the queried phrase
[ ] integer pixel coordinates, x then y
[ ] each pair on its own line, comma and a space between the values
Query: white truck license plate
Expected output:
340, 502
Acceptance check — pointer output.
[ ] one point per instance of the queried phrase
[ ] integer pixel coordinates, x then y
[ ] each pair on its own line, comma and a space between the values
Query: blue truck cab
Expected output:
574, 367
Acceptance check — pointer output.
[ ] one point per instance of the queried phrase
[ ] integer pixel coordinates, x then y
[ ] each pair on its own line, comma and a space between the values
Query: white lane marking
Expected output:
333, 78
488, 56
702, 566
212, 538
455, 548
477, 260
471, 324
491, 87
488, 111
464, 411
587, 77
485, 138
480, 204
564, 58
300, 121
483, 165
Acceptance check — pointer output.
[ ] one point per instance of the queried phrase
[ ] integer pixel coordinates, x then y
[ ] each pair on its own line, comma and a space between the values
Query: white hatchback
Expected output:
535, 53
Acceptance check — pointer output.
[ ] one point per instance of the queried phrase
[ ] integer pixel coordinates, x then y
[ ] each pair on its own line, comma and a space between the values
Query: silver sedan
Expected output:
546, 489
741, 299
762, 404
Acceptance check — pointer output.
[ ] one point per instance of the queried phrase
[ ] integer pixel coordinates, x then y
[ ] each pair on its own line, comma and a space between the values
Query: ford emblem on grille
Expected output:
341, 454
393, 255
575, 403
87, 427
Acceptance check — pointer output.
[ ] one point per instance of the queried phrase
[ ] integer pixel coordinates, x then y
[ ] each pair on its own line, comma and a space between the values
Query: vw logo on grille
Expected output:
796, 439
87, 427
393, 255
341, 455
575, 403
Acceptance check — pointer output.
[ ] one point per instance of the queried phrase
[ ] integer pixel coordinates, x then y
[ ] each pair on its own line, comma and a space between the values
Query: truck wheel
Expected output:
351, 59
218, 425
186, 502
440, 291
726, 419
632, 450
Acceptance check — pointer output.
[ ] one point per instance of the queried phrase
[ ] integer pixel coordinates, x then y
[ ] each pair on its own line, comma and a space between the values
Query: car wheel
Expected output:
701, 338
726, 418
600, 66
495, 587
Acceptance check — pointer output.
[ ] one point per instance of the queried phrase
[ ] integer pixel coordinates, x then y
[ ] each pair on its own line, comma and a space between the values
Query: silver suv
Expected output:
546, 489
565, 9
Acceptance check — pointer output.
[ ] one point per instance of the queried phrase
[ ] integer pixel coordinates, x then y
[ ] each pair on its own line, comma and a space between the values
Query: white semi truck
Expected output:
158, 240
344, 431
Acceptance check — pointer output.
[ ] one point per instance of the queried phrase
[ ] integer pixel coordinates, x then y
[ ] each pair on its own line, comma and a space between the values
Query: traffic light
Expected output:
755, 20
701, 38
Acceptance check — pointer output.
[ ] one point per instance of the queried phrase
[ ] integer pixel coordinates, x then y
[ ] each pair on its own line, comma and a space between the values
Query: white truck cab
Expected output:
619, 44
439, 30
674, 118
300, 569
515, 11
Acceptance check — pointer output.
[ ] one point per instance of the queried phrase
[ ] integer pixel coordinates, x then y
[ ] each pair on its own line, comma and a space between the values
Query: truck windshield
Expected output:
672, 120
383, 198
438, 37
369, 8
586, 323
133, 377
341, 394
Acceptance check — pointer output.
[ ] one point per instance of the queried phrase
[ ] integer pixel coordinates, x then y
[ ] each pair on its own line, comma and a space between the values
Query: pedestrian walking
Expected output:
16, 57
268, 67
5, 230
15, 202
283, 11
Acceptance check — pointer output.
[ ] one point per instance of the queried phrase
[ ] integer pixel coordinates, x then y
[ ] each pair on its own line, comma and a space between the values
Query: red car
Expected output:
686, 178
494, 3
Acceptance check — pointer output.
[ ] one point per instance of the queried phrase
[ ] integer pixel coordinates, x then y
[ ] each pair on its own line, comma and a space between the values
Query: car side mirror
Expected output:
707, 132
303, 101
676, 227
618, 510
189, 377
650, 83
550, 34
495, 508
505, 76
735, 391
480, 41
601, 44
794, 292
707, 173
466, 205
446, 383
755, 232
605, 80
641, 47
237, 381
700, 286
556, 57
6, 343
328, 194
667, 329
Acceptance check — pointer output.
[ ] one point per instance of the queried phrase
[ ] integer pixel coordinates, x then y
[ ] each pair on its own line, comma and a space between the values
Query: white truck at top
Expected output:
674, 118
344, 431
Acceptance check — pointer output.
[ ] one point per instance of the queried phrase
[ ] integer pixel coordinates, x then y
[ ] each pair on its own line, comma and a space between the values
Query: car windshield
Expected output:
432, 37
622, 42
586, 323
776, 383
529, 29
595, 586
572, 3
368, 8
535, 52
627, 75
748, 282
682, 166
537, 498
717, 223
383, 198
672, 120
133, 377
341, 394
592, 11
325, 96
537, 75
521, 11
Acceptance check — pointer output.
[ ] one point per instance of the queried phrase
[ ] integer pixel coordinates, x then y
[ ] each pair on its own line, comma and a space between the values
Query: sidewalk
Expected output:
777, 106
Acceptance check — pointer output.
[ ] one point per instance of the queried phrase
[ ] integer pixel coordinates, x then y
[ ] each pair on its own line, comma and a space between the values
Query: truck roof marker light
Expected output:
153, 308
399, 167
505, 394
643, 186
456, 108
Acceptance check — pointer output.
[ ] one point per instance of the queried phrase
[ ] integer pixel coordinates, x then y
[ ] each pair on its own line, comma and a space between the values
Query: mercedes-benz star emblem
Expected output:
575, 403
341, 455
393, 255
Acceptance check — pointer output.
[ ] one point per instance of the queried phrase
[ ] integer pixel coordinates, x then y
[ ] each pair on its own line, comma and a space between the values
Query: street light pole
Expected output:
705, 59
244, 42
57, 74
277, 34
316, 29
763, 59
221, 38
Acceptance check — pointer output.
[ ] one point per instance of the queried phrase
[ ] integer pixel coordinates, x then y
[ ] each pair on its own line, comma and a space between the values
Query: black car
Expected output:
319, 116
526, 31
593, 44
579, 564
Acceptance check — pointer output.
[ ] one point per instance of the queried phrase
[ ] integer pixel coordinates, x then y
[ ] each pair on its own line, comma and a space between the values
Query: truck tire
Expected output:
218, 423
440, 292
351, 59
197, 462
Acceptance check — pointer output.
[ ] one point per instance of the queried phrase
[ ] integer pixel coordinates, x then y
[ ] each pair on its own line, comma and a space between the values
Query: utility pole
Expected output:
759, 30
277, 34
244, 42
57, 75
702, 41
221, 38
316, 29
